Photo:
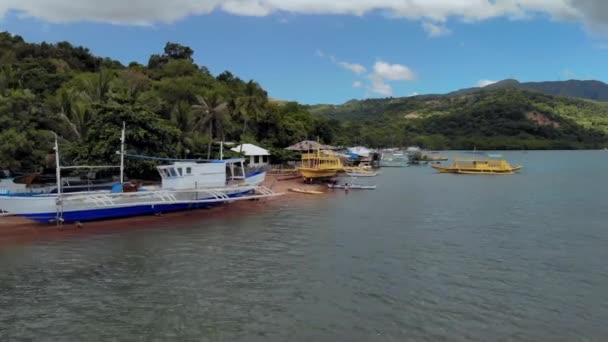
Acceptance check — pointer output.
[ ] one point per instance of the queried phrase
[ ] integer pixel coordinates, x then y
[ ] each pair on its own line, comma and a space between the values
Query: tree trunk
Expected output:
210, 139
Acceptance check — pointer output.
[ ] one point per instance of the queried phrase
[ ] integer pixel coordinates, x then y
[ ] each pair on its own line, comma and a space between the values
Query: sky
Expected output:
319, 51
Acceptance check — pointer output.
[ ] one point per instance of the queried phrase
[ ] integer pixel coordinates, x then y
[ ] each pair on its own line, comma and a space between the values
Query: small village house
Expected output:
256, 155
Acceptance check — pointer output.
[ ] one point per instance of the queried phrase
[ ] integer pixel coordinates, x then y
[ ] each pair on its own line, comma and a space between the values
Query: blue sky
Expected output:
333, 57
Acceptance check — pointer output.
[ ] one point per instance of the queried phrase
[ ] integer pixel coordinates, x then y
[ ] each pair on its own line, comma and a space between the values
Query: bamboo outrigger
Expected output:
479, 166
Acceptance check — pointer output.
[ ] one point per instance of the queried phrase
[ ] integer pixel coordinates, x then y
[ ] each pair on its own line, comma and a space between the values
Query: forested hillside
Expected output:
172, 107
175, 108
490, 119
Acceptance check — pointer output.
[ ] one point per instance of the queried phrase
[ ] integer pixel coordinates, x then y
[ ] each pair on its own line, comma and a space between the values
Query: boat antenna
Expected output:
122, 154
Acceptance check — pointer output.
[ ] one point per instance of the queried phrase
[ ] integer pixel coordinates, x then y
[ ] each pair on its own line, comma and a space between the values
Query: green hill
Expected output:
490, 119
590, 90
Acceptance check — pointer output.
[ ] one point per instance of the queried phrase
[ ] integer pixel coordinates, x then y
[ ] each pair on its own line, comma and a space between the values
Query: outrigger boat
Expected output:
479, 166
185, 185
351, 186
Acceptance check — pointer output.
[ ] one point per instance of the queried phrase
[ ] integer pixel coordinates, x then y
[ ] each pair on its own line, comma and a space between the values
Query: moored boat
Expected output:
479, 166
185, 185
320, 165
351, 186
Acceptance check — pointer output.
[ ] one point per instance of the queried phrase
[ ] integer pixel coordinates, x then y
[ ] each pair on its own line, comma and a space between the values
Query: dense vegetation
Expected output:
489, 119
171, 106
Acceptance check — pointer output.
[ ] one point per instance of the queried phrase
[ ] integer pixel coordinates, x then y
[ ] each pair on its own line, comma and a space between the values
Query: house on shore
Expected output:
256, 155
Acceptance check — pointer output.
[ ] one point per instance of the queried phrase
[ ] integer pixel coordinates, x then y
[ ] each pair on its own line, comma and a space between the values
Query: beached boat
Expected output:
479, 166
320, 164
185, 185
308, 192
351, 186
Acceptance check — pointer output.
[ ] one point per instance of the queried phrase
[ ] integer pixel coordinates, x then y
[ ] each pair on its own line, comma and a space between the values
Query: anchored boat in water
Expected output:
479, 166
185, 185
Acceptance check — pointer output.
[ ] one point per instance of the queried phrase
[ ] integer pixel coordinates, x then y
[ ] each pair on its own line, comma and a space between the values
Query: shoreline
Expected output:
18, 230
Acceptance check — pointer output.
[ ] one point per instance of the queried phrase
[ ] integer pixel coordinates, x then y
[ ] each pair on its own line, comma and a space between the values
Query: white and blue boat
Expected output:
185, 185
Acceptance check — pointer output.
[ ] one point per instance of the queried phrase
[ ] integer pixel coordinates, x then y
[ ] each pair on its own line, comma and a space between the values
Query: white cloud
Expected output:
592, 13
357, 84
378, 86
483, 83
435, 30
393, 72
384, 72
413, 94
354, 67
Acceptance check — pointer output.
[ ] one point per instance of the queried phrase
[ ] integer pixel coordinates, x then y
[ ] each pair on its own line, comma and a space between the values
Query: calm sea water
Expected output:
425, 257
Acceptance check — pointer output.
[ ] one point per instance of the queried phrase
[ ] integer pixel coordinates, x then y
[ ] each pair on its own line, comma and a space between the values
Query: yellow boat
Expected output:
479, 166
320, 165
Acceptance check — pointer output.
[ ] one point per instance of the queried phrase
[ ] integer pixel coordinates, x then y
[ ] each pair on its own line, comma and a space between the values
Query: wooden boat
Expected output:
362, 174
320, 165
308, 192
479, 166
351, 186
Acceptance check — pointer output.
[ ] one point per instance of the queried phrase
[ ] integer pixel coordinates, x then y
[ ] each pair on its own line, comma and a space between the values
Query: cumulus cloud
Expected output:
483, 83
435, 30
354, 67
384, 72
593, 13
393, 72
379, 86
357, 84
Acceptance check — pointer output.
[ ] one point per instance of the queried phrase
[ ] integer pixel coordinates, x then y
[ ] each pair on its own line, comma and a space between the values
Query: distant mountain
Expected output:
590, 90
499, 116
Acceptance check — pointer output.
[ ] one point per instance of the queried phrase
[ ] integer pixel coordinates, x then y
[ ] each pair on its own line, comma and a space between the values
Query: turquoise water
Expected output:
424, 257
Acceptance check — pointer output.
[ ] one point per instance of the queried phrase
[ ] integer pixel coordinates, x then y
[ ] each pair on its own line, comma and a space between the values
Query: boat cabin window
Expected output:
172, 172
188, 170
163, 173
179, 170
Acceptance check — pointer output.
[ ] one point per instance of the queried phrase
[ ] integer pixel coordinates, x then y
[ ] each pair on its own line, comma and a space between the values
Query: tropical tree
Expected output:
210, 115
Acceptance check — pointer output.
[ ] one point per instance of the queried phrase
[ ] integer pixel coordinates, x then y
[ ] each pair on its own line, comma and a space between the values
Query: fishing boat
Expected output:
320, 164
185, 185
351, 186
307, 192
393, 160
479, 166
362, 174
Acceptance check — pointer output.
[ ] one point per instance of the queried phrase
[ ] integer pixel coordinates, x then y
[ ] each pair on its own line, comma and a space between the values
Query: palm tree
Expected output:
209, 115
249, 106
99, 87
74, 110
181, 117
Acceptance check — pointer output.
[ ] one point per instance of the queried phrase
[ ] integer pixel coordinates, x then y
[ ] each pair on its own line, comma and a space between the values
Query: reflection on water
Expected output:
424, 257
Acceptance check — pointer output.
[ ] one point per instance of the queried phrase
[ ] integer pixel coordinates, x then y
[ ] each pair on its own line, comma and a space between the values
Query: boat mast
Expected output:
122, 154
57, 166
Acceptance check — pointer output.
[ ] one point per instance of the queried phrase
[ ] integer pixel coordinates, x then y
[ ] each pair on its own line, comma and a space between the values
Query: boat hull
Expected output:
317, 173
473, 171
43, 209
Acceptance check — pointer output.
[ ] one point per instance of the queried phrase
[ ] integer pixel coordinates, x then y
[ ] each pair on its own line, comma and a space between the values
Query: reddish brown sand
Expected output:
15, 230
